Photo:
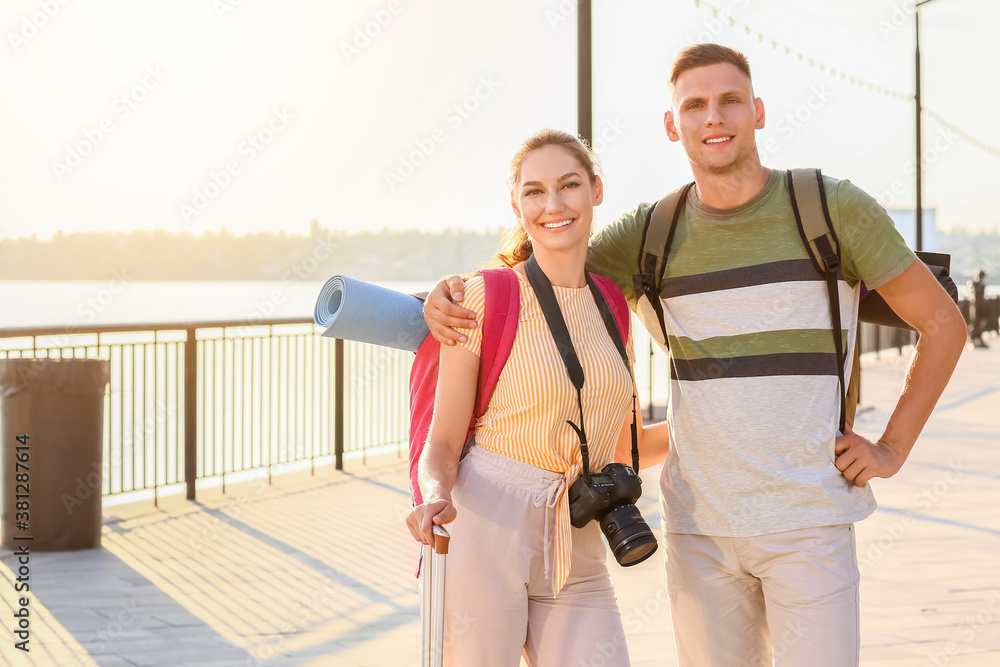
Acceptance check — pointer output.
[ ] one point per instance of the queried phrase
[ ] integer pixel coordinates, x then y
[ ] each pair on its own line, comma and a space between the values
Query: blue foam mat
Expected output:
355, 310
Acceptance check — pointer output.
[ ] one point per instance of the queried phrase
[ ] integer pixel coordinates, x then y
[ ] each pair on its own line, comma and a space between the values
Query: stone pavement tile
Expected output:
907, 661
182, 634
38, 655
986, 637
898, 602
60, 658
182, 654
968, 635
880, 639
939, 649
894, 652
939, 654
78, 619
988, 659
665, 656
955, 610
177, 619
102, 661
280, 661
390, 649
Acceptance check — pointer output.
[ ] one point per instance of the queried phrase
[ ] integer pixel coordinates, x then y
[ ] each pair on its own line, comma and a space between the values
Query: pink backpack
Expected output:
503, 307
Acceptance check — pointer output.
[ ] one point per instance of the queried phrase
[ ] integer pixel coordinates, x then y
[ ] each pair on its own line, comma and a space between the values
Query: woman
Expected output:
520, 577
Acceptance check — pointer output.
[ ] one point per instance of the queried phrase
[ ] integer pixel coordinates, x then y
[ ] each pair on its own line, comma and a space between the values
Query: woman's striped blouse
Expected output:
534, 397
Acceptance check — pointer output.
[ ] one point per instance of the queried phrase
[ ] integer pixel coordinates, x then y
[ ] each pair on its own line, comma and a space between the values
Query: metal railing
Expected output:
210, 401
875, 338
205, 402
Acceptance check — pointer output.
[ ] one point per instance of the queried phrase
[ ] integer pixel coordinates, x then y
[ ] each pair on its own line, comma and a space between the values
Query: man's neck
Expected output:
730, 189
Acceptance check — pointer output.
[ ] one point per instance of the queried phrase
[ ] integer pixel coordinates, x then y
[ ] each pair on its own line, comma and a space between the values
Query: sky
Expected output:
262, 115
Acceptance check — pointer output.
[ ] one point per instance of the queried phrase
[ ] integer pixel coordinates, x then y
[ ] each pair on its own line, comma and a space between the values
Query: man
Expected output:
760, 491
976, 292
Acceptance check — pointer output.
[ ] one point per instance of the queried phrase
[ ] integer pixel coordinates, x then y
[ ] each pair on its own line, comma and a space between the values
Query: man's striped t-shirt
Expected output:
754, 394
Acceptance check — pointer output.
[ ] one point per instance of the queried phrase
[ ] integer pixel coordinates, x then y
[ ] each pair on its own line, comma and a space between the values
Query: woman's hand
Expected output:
422, 519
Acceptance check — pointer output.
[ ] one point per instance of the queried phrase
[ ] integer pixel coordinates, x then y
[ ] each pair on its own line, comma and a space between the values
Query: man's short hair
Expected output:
700, 55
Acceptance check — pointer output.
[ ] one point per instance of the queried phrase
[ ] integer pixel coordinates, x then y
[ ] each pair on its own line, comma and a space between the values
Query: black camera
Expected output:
610, 498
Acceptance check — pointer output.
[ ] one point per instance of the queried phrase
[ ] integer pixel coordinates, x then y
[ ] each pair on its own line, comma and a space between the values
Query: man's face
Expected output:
715, 115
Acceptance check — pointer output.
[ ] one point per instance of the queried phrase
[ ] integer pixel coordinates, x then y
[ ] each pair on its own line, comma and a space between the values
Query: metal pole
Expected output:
584, 71
338, 413
426, 610
433, 562
439, 562
191, 411
919, 213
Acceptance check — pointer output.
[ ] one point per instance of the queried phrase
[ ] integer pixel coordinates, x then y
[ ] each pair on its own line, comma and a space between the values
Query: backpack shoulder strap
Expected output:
657, 237
616, 300
812, 216
503, 305
502, 308
423, 384
614, 312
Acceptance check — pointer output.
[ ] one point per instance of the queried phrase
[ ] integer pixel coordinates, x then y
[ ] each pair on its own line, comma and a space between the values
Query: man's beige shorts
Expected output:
791, 597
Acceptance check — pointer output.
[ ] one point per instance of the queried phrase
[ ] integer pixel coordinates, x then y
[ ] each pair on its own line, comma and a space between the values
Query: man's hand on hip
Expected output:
860, 459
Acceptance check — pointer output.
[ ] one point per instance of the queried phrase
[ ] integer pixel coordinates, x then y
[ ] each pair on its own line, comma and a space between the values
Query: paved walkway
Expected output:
318, 571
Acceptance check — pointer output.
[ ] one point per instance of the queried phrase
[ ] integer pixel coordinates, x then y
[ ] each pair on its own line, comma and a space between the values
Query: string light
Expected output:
981, 145
813, 62
862, 84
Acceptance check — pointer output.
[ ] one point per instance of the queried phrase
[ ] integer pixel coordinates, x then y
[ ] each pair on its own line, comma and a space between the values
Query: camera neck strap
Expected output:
564, 344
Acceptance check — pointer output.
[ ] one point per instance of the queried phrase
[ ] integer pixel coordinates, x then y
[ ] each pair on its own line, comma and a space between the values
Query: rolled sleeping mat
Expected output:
875, 310
355, 310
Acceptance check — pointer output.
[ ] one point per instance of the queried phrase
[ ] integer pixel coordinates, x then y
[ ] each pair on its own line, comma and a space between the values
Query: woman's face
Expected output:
555, 199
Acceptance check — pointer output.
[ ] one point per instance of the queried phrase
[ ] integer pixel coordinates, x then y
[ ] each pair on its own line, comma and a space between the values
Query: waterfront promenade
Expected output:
318, 571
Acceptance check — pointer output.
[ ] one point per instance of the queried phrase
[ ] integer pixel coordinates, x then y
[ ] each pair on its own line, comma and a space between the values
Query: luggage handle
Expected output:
432, 573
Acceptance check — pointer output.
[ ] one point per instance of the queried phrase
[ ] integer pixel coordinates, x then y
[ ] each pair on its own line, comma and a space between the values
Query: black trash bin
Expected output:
51, 425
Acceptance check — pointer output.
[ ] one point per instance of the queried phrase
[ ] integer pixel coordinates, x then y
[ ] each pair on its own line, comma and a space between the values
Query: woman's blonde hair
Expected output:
515, 244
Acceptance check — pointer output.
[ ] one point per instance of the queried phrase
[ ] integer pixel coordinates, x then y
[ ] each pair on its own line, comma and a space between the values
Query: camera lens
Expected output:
629, 536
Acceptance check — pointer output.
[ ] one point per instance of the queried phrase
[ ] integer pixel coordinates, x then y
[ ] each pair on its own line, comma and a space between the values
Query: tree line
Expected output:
385, 255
